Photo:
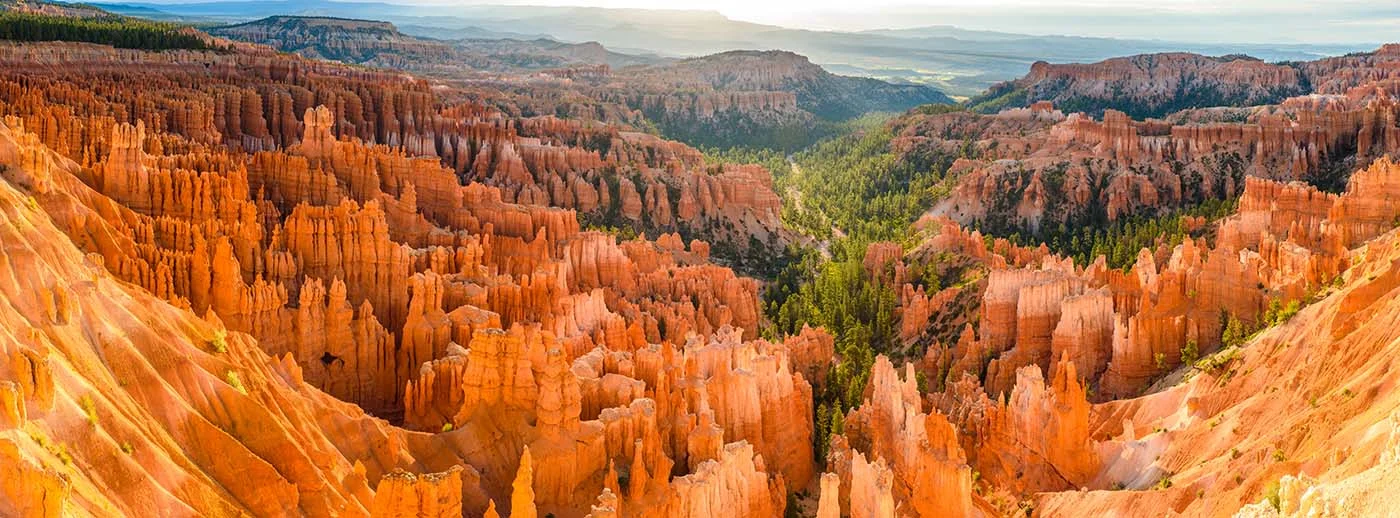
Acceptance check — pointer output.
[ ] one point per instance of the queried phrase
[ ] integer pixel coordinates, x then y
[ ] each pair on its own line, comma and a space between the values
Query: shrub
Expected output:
1218, 360
1272, 496
219, 343
235, 381
1235, 332
446, 427
1190, 353
1279, 312
127, 448
1165, 482
89, 409
56, 449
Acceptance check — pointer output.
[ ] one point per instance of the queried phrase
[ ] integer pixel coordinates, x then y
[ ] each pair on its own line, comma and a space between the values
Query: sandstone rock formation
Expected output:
1156, 84
930, 474
294, 232
264, 285
1031, 170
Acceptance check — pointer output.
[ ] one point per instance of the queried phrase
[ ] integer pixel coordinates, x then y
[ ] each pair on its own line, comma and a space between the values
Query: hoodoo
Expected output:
322, 266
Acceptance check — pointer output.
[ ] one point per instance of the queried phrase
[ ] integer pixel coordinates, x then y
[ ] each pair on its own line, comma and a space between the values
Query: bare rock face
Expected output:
871, 488
1267, 396
1037, 169
732, 485
1158, 83
401, 494
1037, 440
1123, 330
1344, 74
930, 474
754, 396
522, 497
282, 265
1084, 333
829, 505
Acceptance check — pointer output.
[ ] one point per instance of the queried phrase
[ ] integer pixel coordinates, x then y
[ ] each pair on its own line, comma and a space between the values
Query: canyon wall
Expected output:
475, 335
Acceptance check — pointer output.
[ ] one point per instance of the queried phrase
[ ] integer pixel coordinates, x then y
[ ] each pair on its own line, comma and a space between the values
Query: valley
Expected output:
278, 264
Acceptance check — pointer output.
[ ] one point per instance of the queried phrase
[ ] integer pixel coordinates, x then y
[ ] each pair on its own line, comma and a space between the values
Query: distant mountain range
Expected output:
958, 61
376, 43
1157, 85
772, 98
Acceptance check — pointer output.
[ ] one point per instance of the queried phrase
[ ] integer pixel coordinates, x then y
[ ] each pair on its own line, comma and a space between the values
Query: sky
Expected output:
1206, 21
1312, 21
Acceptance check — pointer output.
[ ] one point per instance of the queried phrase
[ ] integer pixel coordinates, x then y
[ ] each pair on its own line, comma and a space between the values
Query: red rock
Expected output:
829, 505
931, 476
733, 485
403, 494
522, 498
1153, 79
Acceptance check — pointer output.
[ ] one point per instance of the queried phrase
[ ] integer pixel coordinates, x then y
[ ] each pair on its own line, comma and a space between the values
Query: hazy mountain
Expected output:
378, 43
958, 61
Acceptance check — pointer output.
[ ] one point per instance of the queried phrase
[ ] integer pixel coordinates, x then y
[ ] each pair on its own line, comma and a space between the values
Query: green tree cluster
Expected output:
858, 184
117, 31
840, 296
1120, 241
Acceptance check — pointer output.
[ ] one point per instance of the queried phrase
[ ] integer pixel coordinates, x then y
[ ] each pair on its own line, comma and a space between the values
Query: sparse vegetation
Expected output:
1271, 495
1026, 507
1219, 360
1165, 482
235, 381
219, 343
446, 427
1279, 313
89, 409
56, 449
1235, 332
1191, 352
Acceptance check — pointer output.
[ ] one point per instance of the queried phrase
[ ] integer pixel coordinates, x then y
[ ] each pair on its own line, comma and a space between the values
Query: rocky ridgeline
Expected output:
620, 177
720, 99
1154, 85
1036, 168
